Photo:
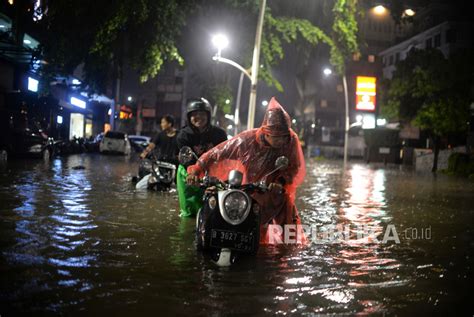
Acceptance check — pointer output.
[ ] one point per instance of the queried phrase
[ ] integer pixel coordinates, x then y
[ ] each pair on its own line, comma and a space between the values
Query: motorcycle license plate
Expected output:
232, 240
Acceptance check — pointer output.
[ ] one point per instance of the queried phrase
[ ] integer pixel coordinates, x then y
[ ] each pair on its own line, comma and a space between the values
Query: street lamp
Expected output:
409, 12
327, 72
220, 42
380, 10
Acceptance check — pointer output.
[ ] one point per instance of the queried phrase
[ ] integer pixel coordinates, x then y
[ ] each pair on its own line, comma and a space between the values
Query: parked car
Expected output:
139, 142
115, 142
21, 137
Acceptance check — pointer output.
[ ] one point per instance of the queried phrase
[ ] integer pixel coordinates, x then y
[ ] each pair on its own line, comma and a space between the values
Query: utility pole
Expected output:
255, 67
346, 127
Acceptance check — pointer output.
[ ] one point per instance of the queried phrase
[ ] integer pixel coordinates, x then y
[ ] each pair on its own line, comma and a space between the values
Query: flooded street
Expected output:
76, 236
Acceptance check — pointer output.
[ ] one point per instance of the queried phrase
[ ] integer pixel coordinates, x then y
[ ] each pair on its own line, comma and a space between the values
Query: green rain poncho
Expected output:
190, 197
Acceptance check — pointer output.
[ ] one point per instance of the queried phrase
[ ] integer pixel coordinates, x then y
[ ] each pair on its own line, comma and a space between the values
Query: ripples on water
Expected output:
75, 239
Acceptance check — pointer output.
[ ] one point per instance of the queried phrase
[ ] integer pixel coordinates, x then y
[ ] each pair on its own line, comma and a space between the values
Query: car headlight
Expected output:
236, 207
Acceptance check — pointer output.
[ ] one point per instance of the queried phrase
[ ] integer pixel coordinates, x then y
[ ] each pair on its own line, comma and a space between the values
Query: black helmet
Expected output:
200, 104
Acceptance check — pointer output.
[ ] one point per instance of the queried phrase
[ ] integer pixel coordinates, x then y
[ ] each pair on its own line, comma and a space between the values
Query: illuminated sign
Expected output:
125, 115
125, 112
32, 84
59, 119
78, 102
365, 93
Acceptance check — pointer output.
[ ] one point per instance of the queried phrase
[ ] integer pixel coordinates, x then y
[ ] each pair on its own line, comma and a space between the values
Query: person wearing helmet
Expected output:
254, 152
200, 136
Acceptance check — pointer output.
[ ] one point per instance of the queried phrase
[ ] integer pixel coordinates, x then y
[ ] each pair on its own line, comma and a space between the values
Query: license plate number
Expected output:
232, 240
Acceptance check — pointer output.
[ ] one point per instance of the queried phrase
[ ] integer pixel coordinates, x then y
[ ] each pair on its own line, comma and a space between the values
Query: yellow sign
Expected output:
365, 93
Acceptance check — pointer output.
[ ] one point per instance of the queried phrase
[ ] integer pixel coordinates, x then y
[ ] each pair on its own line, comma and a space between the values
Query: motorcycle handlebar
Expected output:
209, 181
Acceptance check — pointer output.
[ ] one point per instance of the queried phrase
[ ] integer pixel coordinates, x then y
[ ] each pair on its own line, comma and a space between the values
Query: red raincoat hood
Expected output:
276, 121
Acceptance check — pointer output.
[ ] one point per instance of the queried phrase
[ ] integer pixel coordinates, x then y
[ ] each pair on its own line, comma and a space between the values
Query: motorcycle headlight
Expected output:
236, 207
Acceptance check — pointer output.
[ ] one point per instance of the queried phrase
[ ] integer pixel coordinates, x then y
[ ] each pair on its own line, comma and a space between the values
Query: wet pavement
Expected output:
75, 236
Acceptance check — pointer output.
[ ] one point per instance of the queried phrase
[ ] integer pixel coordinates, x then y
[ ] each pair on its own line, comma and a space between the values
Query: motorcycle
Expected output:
155, 174
228, 224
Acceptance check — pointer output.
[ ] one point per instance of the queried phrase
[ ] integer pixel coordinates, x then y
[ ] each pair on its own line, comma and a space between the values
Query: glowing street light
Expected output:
327, 71
264, 103
380, 10
409, 12
220, 41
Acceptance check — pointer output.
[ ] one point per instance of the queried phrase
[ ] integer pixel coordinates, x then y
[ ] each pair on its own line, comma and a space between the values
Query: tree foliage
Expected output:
342, 39
145, 33
430, 91
221, 96
102, 34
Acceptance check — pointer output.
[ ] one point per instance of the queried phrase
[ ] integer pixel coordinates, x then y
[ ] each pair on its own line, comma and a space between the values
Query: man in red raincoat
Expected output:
254, 153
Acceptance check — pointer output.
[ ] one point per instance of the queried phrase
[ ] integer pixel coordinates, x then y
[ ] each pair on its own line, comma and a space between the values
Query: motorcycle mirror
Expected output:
281, 162
186, 155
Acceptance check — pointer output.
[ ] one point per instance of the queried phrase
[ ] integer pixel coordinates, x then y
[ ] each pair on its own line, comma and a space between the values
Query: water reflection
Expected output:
358, 203
76, 235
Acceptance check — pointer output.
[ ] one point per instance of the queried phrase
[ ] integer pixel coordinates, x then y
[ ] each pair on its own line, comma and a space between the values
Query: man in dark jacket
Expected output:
200, 136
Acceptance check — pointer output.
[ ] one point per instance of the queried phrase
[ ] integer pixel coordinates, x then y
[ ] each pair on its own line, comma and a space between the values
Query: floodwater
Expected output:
76, 237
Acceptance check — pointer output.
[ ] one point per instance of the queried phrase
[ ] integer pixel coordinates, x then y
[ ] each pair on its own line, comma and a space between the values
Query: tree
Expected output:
341, 40
102, 35
432, 93
292, 25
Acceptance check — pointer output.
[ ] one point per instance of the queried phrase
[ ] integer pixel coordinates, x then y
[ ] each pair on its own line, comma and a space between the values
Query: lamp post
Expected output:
255, 66
220, 42
327, 72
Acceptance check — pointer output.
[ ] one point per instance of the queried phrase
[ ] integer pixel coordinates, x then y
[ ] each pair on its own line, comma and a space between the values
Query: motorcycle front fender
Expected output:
143, 183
